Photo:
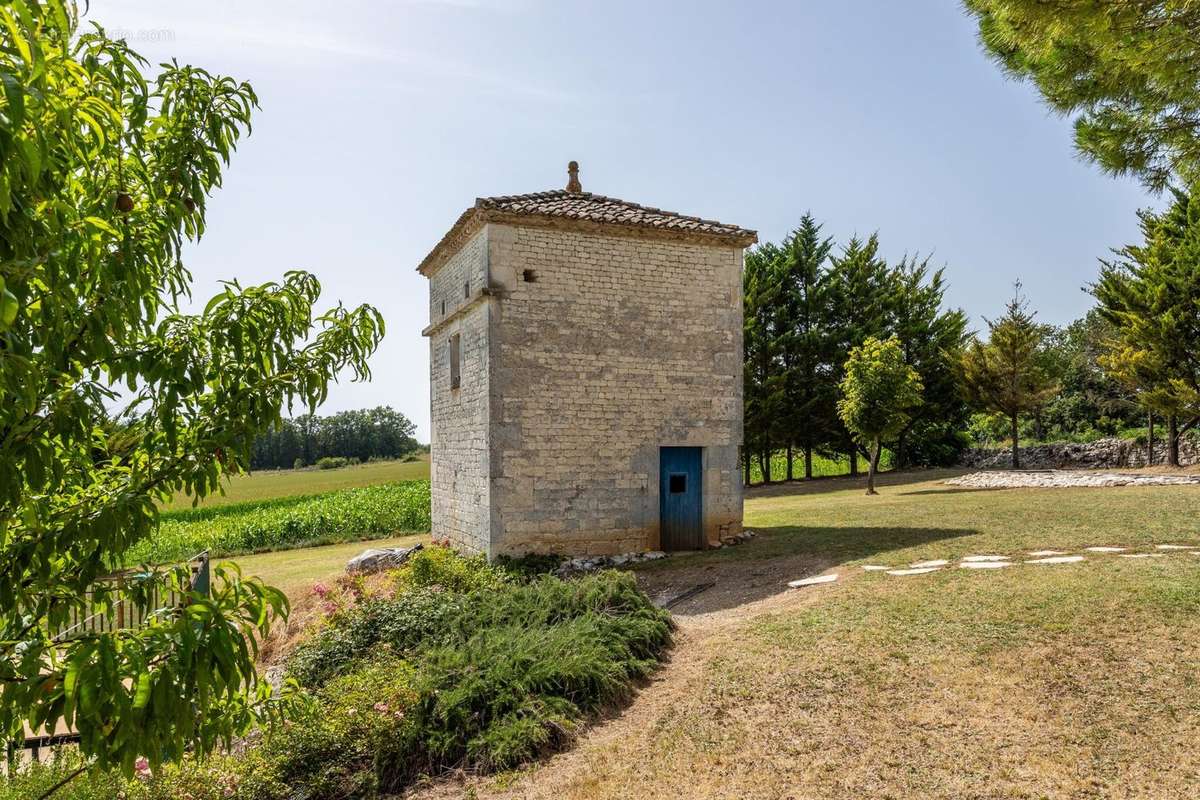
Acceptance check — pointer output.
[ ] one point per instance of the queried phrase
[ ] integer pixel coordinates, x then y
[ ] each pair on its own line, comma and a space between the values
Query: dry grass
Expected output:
1064, 681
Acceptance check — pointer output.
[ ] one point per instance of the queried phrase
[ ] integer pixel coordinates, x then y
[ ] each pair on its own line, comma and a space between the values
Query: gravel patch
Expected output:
1065, 479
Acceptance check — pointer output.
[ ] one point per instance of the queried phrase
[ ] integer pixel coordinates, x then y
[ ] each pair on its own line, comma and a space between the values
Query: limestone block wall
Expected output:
453, 284
459, 417
605, 348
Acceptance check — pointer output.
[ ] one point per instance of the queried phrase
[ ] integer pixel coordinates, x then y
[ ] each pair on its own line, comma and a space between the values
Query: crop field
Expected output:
271, 484
289, 522
822, 467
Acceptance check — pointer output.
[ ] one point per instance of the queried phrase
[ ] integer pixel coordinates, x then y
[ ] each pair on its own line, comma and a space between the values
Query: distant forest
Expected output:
365, 434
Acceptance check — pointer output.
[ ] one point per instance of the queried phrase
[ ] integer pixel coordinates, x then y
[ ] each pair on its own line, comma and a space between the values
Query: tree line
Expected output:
380, 432
807, 304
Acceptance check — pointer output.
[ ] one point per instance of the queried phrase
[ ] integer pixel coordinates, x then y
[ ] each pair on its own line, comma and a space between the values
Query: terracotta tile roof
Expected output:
597, 208
586, 208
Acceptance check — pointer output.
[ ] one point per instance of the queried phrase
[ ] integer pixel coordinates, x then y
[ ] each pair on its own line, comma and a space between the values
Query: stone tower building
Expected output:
585, 376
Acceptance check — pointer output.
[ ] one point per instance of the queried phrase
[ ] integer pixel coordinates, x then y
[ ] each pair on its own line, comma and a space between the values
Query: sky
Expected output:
382, 121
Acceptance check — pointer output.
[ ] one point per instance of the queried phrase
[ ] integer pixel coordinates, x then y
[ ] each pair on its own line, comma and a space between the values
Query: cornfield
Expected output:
287, 522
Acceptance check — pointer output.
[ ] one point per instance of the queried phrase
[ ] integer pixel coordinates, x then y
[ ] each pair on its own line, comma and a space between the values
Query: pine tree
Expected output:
804, 339
1128, 69
762, 290
1151, 295
932, 340
1006, 374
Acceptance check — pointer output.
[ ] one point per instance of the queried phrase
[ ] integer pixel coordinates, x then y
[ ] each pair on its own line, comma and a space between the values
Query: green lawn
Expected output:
267, 484
1033, 681
295, 571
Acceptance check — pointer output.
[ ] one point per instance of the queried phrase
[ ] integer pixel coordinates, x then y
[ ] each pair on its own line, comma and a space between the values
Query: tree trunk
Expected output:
1173, 440
1150, 439
853, 461
1016, 443
746, 462
766, 470
789, 458
872, 466
808, 461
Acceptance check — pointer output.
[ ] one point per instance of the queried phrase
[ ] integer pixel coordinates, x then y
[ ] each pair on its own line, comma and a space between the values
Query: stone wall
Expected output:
605, 348
1109, 453
459, 417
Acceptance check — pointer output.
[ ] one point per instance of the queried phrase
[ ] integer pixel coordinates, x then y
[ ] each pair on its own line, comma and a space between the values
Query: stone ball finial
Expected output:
573, 184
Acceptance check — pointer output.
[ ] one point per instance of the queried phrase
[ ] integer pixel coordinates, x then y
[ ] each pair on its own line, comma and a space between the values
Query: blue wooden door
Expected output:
681, 517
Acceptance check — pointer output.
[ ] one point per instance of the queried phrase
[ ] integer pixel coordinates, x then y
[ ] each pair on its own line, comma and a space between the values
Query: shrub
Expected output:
441, 566
335, 462
432, 679
288, 522
401, 624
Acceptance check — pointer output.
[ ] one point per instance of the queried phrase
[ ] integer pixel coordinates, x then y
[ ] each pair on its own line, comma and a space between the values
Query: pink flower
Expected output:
320, 590
329, 608
382, 708
142, 767
398, 714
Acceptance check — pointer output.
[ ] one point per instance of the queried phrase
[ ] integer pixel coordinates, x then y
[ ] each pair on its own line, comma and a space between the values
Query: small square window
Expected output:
677, 483
455, 358
528, 275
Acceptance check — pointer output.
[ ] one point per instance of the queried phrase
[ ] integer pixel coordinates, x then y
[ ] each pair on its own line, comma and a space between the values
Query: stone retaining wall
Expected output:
1101, 454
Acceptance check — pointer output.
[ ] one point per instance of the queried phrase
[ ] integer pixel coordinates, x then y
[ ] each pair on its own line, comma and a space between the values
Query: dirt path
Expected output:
586, 770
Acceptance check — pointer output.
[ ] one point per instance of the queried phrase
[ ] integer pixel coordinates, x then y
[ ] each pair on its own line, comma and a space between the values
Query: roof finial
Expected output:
573, 184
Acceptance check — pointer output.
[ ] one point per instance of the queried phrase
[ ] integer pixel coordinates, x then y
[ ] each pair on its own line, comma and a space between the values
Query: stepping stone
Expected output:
985, 564
813, 581
1142, 555
937, 562
913, 571
1056, 560
973, 559
878, 568
1105, 549
1043, 553
1173, 546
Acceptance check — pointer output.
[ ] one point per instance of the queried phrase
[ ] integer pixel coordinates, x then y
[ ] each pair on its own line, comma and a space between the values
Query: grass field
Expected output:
295, 571
268, 484
1034, 681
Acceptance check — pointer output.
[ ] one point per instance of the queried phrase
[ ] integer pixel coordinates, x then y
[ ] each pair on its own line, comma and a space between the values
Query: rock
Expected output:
376, 559
654, 555
1107, 453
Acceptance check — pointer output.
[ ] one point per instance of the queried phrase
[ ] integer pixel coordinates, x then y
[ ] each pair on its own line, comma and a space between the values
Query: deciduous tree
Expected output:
105, 173
879, 391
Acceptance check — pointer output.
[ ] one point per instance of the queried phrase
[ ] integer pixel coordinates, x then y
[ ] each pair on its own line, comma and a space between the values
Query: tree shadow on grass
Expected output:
846, 483
762, 567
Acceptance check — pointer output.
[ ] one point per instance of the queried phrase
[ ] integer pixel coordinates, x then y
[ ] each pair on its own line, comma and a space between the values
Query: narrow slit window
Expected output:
455, 361
677, 483
467, 290
443, 308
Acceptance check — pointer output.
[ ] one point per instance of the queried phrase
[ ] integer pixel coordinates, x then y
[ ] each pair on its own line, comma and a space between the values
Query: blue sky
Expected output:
381, 122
